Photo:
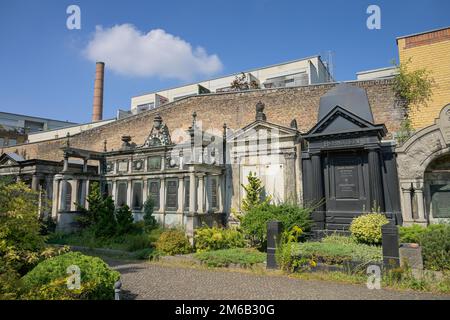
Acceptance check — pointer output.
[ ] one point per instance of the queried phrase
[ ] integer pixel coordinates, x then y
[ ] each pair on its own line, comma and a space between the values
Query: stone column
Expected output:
191, 216
114, 190
180, 194
375, 183
420, 203
35, 182
144, 190
162, 195
49, 184
201, 194
298, 173
407, 208
73, 196
129, 193
55, 196
220, 195
317, 190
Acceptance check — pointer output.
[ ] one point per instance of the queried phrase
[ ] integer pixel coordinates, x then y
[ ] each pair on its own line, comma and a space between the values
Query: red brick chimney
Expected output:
97, 107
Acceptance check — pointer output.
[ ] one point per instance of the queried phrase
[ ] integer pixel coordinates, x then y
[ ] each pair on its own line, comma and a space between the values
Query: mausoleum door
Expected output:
345, 184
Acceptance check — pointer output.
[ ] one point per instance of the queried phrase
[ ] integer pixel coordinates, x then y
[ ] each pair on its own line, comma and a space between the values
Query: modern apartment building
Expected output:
310, 70
15, 128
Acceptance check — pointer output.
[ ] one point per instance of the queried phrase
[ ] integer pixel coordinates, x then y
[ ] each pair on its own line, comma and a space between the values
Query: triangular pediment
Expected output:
10, 159
260, 126
339, 120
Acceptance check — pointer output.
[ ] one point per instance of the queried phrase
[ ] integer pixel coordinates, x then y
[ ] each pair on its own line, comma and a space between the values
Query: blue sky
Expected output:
46, 70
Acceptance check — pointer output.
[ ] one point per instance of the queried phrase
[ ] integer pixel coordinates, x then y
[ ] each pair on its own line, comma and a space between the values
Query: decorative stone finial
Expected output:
194, 118
104, 145
157, 121
68, 140
159, 135
294, 124
260, 116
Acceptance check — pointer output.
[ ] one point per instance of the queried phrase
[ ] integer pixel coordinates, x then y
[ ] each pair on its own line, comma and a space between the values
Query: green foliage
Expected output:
215, 238
223, 258
337, 250
240, 83
435, 242
47, 278
22, 244
58, 290
284, 250
149, 220
253, 193
411, 234
414, 87
173, 242
406, 130
367, 228
254, 222
124, 219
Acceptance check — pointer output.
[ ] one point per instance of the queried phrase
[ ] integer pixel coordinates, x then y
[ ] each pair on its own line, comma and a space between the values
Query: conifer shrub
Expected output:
215, 238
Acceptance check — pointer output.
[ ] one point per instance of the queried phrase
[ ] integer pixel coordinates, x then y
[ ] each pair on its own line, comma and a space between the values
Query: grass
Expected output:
132, 242
337, 250
223, 258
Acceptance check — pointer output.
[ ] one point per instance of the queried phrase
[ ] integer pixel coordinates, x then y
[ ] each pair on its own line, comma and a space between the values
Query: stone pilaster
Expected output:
375, 182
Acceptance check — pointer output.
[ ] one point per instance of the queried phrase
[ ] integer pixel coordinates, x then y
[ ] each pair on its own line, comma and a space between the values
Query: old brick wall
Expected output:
236, 109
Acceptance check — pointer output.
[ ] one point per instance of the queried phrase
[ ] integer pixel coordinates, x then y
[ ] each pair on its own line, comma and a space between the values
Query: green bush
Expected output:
411, 234
332, 250
149, 220
215, 238
367, 228
254, 222
435, 242
173, 242
124, 219
47, 279
223, 258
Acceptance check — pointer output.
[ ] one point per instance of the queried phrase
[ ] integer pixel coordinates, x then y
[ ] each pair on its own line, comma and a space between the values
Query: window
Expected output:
154, 163
68, 196
214, 199
12, 142
153, 192
172, 195
186, 194
122, 187
137, 195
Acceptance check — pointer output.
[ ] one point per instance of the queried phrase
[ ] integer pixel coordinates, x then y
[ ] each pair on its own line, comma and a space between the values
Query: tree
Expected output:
415, 89
254, 193
124, 219
240, 83
106, 225
149, 220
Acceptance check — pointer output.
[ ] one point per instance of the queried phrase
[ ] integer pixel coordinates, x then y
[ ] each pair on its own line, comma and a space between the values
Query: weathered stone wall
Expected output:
236, 109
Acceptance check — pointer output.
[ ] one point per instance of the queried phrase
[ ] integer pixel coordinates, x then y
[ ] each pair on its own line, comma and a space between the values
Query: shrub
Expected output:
149, 220
367, 228
411, 234
435, 242
223, 258
124, 219
47, 279
337, 251
215, 238
254, 222
173, 242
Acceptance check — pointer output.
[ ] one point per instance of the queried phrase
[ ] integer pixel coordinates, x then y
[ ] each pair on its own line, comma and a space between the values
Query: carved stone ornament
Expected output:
159, 135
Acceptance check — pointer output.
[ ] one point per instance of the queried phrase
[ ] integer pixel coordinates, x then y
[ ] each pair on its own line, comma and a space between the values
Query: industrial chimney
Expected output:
97, 107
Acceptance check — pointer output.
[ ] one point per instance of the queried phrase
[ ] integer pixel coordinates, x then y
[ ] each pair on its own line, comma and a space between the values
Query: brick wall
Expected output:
431, 51
235, 109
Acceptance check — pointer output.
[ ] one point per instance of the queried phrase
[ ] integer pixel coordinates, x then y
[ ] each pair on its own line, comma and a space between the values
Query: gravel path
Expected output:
143, 280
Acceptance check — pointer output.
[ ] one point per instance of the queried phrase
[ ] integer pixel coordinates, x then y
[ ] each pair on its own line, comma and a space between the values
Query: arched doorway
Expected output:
424, 173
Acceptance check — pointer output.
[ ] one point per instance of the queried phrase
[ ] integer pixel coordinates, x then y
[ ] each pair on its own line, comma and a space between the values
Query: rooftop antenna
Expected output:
330, 55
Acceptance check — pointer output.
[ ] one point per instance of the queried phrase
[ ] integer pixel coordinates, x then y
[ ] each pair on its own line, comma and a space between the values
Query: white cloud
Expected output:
131, 52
